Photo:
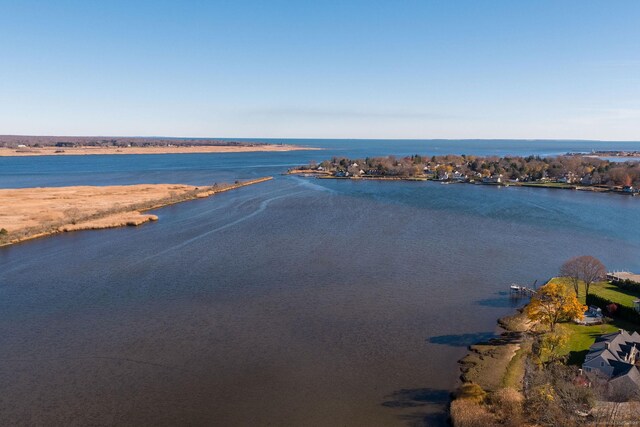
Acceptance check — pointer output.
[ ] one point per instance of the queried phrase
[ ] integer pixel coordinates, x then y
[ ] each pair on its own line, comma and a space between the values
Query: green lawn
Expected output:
613, 293
581, 337
605, 290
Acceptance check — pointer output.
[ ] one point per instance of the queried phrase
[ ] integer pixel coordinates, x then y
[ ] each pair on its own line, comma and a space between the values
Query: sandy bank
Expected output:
27, 213
77, 151
487, 363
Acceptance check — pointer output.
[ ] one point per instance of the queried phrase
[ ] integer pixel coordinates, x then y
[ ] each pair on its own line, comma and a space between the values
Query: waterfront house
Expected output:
586, 180
614, 357
458, 176
628, 189
493, 179
567, 178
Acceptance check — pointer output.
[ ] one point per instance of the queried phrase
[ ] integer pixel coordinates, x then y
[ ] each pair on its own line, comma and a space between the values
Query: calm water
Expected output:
294, 302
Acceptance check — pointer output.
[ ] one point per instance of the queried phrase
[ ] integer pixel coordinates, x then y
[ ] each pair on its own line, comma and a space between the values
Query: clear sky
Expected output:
325, 69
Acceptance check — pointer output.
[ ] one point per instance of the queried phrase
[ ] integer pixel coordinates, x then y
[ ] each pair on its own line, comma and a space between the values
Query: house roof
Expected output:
615, 349
630, 373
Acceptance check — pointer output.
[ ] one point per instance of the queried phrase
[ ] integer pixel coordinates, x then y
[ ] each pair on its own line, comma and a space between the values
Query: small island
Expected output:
562, 172
20, 146
29, 213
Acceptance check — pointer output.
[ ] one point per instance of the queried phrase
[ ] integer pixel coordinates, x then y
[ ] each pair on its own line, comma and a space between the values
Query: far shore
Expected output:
29, 213
548, 185
90, 150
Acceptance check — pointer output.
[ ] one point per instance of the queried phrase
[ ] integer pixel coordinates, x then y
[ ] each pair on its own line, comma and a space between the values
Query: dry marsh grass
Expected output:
27, 213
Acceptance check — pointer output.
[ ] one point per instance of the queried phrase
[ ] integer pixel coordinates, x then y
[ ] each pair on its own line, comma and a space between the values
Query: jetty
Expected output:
521, 290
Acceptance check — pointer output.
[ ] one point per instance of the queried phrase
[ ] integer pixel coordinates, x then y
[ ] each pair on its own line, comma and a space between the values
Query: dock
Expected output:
521, 290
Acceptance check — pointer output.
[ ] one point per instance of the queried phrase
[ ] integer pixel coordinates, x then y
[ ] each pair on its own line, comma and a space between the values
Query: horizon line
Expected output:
316, 138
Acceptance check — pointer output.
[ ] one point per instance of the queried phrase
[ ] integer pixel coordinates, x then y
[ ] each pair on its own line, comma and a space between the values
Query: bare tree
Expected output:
586, 269
570, 270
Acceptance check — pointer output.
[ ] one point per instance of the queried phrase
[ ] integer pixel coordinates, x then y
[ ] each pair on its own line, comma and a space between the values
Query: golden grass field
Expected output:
27, 213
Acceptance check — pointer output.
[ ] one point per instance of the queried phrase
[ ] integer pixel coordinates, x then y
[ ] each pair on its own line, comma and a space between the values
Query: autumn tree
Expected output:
549, 344
553, 303
585, 269
570, 271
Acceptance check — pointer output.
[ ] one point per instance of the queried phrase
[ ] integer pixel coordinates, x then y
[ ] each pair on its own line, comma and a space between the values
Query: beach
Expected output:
202, 149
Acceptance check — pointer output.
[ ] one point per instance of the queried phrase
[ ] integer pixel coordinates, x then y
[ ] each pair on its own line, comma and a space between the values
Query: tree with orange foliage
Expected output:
553, 303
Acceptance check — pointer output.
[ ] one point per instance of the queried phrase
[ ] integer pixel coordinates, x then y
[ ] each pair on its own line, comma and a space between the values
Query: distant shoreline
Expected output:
607, 153
548, 185
558, 172
30, 151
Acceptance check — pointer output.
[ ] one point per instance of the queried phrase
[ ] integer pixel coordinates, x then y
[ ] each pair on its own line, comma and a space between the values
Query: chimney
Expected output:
606, 345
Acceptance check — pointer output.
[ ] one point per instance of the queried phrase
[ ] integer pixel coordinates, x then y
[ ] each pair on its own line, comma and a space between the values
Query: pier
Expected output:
521, 290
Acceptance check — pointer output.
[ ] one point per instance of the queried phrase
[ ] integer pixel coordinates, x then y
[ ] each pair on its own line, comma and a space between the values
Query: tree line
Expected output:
572, 169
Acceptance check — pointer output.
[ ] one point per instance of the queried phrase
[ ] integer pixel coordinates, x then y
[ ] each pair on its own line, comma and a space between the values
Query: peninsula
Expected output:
568, 357
608, 153
563, 172
28, 213
14, 146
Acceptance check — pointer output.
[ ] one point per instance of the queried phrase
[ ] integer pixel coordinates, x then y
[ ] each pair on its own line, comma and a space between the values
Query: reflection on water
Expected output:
289, 303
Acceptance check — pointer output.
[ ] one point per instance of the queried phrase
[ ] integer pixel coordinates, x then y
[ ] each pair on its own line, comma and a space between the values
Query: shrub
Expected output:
469, 413
471, 391
507, 404
628, 285
4, 232
622, 311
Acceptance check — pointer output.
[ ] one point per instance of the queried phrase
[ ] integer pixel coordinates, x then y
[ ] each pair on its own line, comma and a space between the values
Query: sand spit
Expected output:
28, 213
87, 150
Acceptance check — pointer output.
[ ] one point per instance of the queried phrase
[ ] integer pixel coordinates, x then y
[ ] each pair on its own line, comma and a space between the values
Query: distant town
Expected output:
568, 172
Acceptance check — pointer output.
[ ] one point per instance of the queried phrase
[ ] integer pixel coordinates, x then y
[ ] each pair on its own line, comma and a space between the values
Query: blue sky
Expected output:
325, 69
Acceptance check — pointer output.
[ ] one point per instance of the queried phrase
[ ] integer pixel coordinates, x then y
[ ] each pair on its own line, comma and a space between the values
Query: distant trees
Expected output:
572, 169
553, 303
585, 269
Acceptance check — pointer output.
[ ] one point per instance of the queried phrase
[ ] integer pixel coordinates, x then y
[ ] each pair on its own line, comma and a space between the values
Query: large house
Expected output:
616, 357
